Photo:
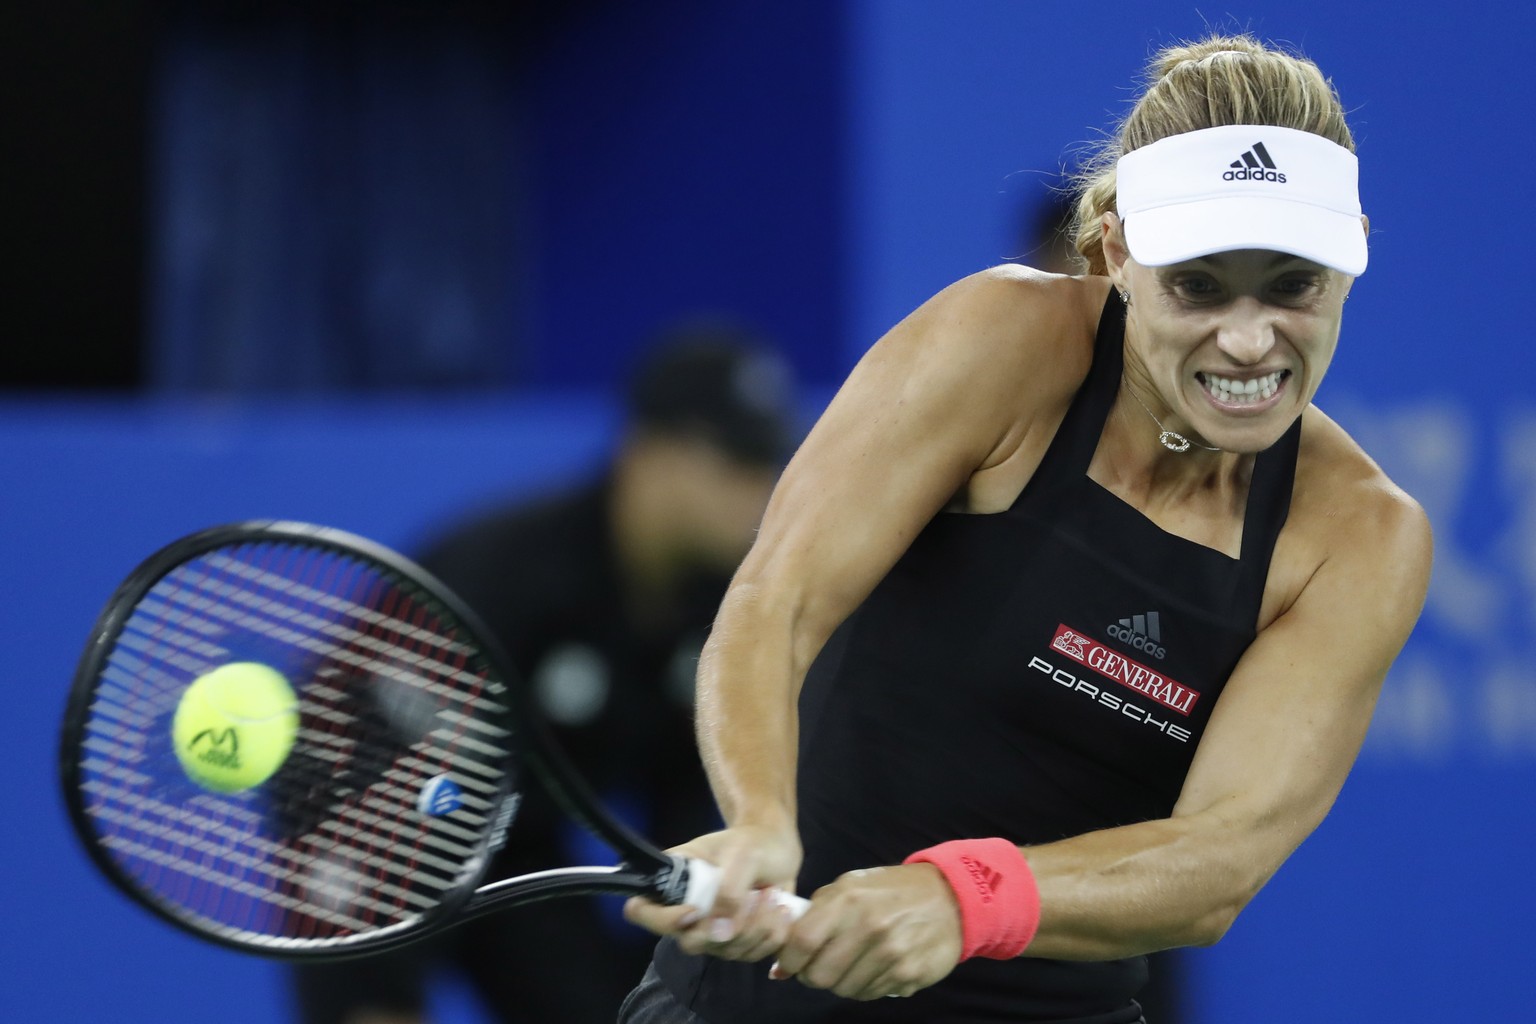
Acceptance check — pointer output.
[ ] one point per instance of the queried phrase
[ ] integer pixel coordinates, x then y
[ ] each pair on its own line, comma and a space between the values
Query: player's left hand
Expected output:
874, 933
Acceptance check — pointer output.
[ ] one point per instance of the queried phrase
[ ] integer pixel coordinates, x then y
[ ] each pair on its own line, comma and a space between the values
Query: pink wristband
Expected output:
999, 901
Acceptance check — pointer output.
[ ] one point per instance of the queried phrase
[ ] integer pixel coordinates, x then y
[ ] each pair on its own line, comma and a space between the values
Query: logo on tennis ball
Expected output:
234, 726
217, 748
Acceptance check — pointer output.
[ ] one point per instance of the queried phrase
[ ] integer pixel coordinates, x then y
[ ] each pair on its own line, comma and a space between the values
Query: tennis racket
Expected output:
414, 743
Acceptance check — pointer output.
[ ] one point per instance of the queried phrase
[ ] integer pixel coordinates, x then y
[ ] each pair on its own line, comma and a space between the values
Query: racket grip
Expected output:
704, 883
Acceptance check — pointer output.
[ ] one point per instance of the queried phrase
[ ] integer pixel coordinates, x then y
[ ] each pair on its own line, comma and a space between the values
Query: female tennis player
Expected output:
1065, 625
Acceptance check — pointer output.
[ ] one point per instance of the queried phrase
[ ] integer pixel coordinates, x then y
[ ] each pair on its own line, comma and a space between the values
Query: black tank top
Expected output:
1032, 674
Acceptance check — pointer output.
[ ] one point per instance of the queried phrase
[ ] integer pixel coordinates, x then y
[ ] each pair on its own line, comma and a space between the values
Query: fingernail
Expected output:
689, 919
721, 929
775, 973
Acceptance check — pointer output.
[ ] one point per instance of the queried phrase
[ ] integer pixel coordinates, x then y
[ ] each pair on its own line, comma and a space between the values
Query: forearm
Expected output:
748, 685
1154, 885
1254, 792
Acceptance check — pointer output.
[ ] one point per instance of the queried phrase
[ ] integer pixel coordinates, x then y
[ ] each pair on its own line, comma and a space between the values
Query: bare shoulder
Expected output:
1337, 481
986, 357
1021, 315
941, 400
1018, 341
1348, 514
1015, 344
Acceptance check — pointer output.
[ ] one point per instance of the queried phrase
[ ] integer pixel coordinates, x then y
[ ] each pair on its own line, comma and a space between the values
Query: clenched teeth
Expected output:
1243, 392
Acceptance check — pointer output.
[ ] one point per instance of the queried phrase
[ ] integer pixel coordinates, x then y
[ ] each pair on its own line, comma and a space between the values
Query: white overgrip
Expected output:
704, 884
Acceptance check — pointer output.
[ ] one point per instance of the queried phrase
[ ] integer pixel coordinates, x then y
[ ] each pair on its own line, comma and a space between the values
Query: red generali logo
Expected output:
1126, 671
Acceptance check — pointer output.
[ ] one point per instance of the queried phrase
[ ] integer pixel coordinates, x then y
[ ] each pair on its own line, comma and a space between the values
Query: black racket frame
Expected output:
643, 869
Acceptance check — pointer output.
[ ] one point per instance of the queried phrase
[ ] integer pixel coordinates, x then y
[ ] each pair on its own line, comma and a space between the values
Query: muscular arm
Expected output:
949, 393
978, 375
1273, 759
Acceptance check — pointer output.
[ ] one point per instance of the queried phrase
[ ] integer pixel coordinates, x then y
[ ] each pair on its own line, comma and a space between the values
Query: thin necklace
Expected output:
1170, 439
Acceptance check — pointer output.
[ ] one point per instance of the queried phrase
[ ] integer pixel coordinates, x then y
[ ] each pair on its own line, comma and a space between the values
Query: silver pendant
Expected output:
1174, 442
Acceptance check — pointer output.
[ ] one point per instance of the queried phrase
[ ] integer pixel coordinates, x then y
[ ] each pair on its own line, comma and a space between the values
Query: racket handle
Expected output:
704, 883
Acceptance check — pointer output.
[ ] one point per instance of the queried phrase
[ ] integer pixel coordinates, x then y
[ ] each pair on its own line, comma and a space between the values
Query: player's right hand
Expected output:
744, 923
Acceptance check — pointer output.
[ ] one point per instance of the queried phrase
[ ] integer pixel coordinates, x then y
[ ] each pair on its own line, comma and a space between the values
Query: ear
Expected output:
1112, 235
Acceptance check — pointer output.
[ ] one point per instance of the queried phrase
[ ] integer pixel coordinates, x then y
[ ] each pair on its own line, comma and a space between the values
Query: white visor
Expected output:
1242, 187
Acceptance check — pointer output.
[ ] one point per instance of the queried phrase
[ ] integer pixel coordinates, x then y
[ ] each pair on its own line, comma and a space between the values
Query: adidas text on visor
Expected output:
1242, 187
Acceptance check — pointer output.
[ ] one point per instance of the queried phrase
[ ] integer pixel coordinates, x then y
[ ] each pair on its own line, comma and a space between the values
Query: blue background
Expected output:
893, 146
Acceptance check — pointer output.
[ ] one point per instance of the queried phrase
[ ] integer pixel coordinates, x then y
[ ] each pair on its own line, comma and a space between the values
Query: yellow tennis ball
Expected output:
235, 726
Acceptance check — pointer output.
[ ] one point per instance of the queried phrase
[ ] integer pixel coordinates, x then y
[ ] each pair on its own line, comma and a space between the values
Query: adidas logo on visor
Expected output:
1241, 186
1255, 165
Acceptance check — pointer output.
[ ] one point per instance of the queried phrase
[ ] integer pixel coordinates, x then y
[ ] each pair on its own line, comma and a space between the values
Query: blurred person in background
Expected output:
602, 598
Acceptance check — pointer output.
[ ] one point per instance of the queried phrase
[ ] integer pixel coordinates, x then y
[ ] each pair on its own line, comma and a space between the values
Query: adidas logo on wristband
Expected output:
987, 879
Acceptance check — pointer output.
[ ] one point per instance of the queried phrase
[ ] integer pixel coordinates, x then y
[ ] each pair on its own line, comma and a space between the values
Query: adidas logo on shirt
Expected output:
1143, 632
1254, 165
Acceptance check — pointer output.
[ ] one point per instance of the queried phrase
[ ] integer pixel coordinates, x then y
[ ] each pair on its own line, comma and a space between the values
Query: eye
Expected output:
1196, 287
1297, 287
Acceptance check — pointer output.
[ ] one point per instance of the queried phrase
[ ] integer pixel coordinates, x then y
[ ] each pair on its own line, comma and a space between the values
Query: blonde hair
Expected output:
1219, 80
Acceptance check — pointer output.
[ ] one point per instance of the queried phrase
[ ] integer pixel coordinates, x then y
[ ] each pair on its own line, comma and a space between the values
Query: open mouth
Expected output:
1233, 392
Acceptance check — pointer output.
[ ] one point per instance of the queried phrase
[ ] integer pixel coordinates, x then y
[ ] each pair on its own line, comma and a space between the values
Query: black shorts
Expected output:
653, 1003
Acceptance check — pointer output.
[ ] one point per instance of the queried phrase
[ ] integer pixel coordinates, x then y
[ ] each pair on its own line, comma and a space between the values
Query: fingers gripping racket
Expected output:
390, 788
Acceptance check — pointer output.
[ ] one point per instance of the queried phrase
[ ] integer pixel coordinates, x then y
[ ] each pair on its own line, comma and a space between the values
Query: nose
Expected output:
1247, 333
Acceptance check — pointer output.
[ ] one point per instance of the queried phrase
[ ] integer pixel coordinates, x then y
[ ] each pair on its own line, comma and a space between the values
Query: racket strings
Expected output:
332, 846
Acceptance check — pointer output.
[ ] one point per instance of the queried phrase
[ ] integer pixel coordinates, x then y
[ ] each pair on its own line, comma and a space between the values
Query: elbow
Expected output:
1212, 926
1213, 907
1217, 893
